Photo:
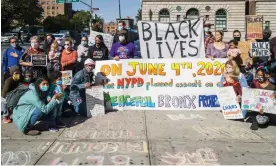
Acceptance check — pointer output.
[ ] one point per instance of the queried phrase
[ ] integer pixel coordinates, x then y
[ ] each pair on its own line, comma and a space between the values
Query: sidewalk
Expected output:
143, 138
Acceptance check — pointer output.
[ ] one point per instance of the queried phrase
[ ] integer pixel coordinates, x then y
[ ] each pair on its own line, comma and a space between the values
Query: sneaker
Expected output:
7, 120
254, 126
61, 125
53, 129
31, 132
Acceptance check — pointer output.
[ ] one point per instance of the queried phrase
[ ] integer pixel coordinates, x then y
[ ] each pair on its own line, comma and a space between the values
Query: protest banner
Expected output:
160, 84
67, 77
95, 101
256, 99
245, 48
171, 40
108, 39
254, 27
228, 104
260, 49
39, 59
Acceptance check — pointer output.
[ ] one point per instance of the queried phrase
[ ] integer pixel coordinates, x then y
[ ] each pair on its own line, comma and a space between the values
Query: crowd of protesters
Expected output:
45, 96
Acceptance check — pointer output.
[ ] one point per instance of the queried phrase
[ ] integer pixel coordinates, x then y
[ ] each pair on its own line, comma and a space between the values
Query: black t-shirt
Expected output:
100, 53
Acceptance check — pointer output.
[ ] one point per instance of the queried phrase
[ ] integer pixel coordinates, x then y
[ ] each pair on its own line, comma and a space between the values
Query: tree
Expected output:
139, 15
57, 23
20, 13
97, 23
81, 20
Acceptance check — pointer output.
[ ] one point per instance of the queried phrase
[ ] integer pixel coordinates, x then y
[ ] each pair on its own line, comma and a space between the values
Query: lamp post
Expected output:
120, 9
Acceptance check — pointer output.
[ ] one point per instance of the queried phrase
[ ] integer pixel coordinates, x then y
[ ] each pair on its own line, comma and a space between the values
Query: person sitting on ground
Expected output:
232, 80
32, 105
234, 53
123, 49
27, 78
99, 51
69, 56
9, 85
218, 49
261, 82
82, 80
56, 88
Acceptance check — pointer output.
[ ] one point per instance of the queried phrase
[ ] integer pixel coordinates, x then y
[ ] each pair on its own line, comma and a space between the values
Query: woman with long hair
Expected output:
99, 51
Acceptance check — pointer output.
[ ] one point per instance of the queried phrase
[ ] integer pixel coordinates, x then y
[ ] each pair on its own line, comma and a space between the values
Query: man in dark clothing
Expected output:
48, 42
132, 36
19, 37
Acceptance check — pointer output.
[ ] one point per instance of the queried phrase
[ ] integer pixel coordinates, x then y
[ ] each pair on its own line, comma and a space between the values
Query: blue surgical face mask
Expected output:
59, 82
44, 88
13, 45
120, 28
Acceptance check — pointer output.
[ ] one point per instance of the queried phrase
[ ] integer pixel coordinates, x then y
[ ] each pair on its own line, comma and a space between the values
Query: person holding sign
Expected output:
26, 59
218, 49
69, 56
123, 49
82, 80
261, 82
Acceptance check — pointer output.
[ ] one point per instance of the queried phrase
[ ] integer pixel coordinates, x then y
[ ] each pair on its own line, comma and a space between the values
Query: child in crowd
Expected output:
231, 80
28, 77
234, 53
56, 88
54, 59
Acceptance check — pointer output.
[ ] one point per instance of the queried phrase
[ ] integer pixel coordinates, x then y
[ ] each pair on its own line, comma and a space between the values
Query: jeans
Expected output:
79, 106
55, 114
36, 115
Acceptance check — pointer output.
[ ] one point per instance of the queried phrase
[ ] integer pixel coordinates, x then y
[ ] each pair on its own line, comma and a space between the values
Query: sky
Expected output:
109, 9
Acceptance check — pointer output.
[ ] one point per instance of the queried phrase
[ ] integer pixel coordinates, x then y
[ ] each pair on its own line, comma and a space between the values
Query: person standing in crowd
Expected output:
218, 49
82, 80
26, 59
54, 59
48, 42
19, 37
32, 105
237, 35
99, 51
11, 56
60, 42
83, 50
261, 82
123, 49
69, 56
132, 36
9, 85
208, 36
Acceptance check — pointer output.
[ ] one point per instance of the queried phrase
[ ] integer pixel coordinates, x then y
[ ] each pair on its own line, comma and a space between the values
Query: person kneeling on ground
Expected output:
83, 79
32, 105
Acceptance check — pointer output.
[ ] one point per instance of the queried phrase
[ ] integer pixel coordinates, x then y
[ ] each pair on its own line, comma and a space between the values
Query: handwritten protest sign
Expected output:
254, 27
171, 40
67, 77
108, 39
260, 49
95, 101
256, 99
39, 60
228, 104
161, 84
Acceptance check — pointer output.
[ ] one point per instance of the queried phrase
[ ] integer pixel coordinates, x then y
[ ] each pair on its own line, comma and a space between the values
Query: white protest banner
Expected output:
108, 39
160, 84
171, 40
228, 104
256, 99
260, 49
67, 77
95, 101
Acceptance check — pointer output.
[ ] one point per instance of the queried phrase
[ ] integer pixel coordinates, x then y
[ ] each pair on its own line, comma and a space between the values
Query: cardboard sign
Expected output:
256, 99
67, 77
171, 40
95, 101
254, 27
245, 48
108, 39
228, 104
161, 84
260, 49
39, 59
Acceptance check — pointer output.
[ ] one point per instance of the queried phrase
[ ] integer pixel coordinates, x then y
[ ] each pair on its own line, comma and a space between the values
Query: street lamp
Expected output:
120, 9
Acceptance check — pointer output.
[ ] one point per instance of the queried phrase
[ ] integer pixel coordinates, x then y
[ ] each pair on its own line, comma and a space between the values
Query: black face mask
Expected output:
266, 37
237, 38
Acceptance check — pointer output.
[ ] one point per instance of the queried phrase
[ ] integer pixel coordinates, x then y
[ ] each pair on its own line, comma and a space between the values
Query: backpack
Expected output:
13, 97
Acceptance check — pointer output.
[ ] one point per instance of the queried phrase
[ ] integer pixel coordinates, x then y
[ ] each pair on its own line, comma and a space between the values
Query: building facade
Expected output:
226, 15
51, 8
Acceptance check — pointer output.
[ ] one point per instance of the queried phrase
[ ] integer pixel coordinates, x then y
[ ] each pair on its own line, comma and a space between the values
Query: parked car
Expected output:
5, 38
28, 32
58, 36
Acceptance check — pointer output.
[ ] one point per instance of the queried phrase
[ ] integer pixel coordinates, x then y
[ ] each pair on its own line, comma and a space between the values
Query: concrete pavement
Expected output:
143, 138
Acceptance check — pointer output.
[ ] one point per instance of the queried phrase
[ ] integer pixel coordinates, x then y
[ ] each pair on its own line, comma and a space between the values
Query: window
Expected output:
164, 15
48, 7
192, 13
221, 20
57, 8
53, 13
178, 18
53, 8
267, 25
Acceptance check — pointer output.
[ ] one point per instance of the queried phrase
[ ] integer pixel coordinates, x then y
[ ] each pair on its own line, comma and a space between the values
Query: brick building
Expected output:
226, 15
51, 8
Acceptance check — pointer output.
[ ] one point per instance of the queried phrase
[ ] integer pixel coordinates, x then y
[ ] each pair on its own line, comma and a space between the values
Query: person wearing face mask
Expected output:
11, 57
48, 42
83, 50
208, 36
69, 56
32, 105
132, 36
82, 80
261, 82
218, 49
60, 44
9, 85
27, 78
26, 59
123, 49
99, 51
